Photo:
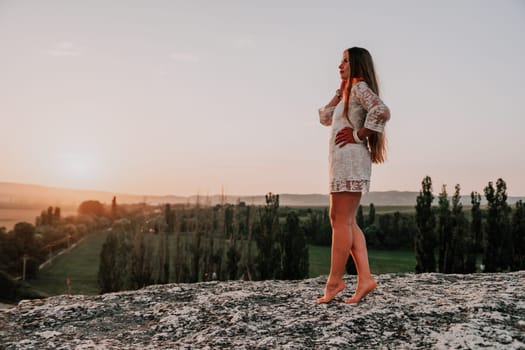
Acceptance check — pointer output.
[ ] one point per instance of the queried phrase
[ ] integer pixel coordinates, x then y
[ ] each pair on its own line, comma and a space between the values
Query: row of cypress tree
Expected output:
199, 243
496, 234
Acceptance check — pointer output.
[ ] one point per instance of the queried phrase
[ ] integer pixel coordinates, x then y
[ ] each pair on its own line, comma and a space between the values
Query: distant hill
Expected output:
36, 196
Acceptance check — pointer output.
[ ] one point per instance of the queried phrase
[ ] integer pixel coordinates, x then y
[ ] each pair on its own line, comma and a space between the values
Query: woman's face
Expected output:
344, 66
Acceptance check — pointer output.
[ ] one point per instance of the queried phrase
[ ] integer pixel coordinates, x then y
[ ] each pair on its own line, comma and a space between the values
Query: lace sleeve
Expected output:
325, 115
377, 112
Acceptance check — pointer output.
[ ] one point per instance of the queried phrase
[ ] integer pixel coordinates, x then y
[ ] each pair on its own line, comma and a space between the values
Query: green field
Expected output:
80, 265
390, 209
381, 261
380, 209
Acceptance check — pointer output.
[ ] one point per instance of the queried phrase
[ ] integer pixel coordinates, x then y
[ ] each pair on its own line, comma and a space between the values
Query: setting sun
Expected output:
77, 169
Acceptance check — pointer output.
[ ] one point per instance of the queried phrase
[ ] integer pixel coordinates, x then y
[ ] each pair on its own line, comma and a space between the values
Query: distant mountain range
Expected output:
36, 196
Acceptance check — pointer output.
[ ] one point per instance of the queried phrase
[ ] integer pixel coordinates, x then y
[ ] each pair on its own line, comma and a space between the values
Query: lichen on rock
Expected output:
406, 311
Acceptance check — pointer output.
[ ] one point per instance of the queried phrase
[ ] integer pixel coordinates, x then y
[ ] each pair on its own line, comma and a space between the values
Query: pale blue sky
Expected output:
184, 97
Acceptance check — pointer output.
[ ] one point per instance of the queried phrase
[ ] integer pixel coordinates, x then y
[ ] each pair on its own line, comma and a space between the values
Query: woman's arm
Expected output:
334, 101
377, 112
338, 95
326, 113
377, 116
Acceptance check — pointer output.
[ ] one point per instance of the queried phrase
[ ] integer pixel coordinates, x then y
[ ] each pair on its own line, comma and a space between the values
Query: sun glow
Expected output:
79, 170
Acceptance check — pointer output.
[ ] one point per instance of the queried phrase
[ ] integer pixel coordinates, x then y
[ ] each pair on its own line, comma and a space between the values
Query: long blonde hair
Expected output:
362, 66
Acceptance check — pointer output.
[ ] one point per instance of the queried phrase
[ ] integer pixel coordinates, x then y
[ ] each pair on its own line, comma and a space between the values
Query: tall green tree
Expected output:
518, 237
463, 257
317, 227
169, 216
394, 238
114, 215
107, 258
384, 229
268, 260
27, 245
109, 279
166, 265
426, 221
444, 232
491, 244
56, 215
371, 214
197, 251
228, 221
360, 218
241, 212
476, 223
407, 230
497, 245
248, 267
233, 255
169, 230
50, 215
141, 269
163, 257
294, 249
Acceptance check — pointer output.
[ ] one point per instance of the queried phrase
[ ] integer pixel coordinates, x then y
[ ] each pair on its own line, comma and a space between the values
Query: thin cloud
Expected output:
64, 48
184, 57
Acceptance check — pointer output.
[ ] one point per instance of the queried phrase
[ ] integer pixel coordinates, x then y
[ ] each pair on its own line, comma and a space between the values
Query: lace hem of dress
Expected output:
349, 185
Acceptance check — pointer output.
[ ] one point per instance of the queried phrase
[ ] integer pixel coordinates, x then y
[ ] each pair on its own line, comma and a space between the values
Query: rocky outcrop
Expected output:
406, 311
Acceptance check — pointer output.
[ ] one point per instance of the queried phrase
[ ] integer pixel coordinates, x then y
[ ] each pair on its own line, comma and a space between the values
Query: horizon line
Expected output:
198, 194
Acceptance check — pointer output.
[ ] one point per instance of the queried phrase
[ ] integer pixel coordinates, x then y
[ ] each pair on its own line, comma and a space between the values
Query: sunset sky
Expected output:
187, 97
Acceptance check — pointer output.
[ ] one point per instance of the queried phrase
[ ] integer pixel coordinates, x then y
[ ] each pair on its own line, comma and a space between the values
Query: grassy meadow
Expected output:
390, 209
80, 265
381, 261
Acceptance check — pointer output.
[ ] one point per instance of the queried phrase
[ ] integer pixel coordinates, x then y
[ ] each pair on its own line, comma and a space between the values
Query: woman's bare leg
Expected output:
365, 281
343, 207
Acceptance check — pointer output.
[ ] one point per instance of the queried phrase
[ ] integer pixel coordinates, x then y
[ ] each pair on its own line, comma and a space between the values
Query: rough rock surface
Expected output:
406, 311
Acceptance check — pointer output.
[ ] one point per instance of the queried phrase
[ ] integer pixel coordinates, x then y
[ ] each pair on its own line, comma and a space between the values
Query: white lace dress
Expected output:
350, 166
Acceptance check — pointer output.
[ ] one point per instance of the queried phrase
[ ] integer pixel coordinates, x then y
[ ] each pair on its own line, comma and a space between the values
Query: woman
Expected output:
357, 116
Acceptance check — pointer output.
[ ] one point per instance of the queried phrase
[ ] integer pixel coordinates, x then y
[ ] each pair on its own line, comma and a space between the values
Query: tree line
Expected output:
447, 242
192, 243
24, 248
189, 243
388, 231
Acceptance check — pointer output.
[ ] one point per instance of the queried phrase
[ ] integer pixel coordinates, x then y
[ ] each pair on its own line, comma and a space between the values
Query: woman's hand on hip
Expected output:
344, 137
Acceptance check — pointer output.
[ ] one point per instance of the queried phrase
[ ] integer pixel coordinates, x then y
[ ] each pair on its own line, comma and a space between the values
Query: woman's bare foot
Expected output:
330, 291
362, 290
